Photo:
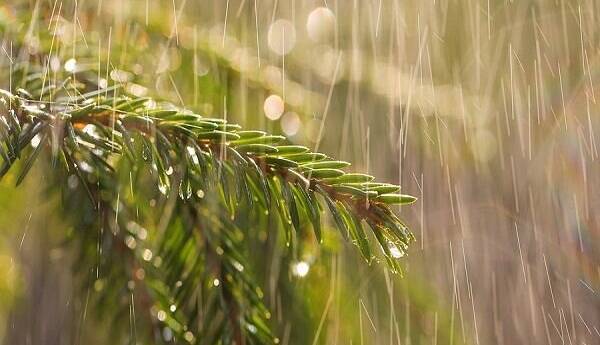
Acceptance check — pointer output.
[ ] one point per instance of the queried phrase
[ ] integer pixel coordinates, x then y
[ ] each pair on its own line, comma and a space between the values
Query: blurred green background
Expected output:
485, 110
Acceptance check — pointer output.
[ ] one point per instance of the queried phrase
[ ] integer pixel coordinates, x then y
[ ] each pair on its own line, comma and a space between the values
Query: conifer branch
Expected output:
207, 171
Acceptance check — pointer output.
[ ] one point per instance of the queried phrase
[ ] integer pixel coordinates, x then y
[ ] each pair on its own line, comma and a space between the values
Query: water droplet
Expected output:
71, 65
238, 266
320, 24
282, 36
161, 315
395, 251
54, 64
163, 187
147, 255
216, 282
188, 336
140, 274
35, 141
273, 107
99, 285
167, 334
91, 130
300, 269
145, 153
169, 171
200, 193
192, 152
185, 189
142, 233
130, 242
172, 308
290, 123
120, 76
86, 167
137, 90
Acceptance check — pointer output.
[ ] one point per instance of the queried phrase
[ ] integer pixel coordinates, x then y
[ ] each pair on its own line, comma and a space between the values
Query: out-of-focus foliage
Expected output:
485, 110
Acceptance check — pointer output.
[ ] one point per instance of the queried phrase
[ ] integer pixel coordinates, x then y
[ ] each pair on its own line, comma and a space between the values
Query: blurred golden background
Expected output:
484, 110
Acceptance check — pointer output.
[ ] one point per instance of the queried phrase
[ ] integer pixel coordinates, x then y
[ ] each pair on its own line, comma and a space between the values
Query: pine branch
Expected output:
215, 169
263, 167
